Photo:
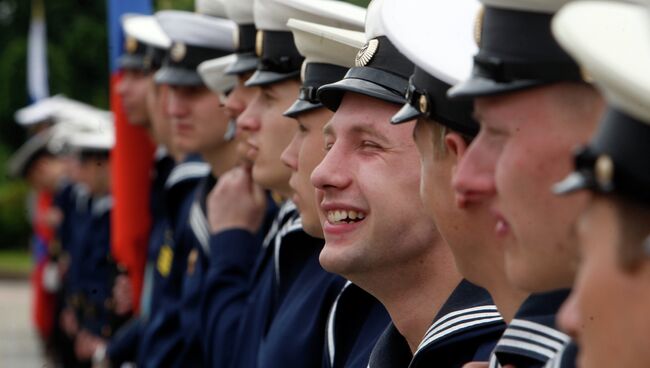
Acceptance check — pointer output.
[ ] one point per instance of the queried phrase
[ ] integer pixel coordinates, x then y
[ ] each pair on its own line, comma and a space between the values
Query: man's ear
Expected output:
456, 146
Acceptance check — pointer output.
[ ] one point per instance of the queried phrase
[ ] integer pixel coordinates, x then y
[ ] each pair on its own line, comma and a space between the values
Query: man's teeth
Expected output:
344, 216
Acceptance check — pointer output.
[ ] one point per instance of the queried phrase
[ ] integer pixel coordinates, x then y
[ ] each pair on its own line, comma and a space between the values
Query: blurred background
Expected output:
77, 66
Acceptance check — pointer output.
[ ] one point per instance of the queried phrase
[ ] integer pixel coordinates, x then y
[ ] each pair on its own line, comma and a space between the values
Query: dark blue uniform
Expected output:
232, 263
355, 322
124, 345
161, 339
566, 358
97, 270
531, 338
295, 335
465, 330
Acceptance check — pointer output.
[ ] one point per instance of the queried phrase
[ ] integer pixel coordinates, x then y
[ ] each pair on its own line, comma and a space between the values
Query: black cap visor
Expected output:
132, 62
177, 76
265, 77
244, 63
406, 114
478, 86
332, 94
301, 107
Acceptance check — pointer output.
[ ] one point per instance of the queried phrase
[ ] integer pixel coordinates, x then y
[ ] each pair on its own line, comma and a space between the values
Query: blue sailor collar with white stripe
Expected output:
465, 329
531, 339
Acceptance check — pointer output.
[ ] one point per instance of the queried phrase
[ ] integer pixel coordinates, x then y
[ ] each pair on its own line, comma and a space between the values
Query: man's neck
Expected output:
506, 297
221, 159
413, 293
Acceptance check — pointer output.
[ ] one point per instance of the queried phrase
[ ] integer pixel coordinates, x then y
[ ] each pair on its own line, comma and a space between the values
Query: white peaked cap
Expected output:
323, 44
272, 15
213, 74
374, 22
437, 36
145, 29
611, 42
329, 12
240, 11
534, 6
215, 8
47, 109
197, 29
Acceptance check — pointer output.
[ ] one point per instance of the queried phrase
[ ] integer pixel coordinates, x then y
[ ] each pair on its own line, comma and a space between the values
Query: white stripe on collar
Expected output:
185, 171
539, 328
290, 227
527, 346
331, 320
477, 316
200, 228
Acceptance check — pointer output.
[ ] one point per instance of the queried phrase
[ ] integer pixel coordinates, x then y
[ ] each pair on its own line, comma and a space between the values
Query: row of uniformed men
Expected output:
455, 247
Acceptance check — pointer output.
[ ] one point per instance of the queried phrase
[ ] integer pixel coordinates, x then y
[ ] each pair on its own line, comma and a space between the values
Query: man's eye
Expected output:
370, 144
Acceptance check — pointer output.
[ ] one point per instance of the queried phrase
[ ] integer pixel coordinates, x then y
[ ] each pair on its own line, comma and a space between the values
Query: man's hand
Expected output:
236, 202
85, 345
69, 323
122, 295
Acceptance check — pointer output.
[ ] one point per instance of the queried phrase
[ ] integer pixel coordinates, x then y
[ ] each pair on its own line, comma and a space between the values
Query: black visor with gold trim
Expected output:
245, 51
380, 72
279, 59
427, 97
517, 51
180, 63
615, 161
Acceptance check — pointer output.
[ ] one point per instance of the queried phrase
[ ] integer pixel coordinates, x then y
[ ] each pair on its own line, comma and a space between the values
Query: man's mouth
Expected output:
337, 217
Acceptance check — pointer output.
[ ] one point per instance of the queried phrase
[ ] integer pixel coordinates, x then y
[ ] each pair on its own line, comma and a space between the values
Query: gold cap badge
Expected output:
131, 45
604, 171
478, 26
178, 51
424, 104
259, 43
367, 52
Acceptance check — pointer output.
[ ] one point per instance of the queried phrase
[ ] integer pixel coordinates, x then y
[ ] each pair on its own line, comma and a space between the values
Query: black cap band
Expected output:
134, 57
615, 161
154, 58
278, 52
517, 45
189, 57
428, 95
246, 38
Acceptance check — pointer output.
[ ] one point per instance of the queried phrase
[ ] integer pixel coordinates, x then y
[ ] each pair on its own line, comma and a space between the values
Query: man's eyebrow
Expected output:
327, 129
357, 129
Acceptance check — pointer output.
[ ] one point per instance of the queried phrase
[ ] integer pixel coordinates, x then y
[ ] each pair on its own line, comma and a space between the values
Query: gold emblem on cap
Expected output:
586, 76
478, 25
604, 170
424, 104
367, 52
131, 45
259, 43
178, 51
235, 38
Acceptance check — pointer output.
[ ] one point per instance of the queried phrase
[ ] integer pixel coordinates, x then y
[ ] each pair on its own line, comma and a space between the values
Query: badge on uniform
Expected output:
191, 261
165, 258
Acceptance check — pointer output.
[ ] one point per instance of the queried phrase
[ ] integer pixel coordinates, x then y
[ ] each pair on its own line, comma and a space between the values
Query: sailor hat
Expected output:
146, 43
213, 73
241, 12
516, 49
36, 146
214, 8
195, 39
326, 59
438, 38
380, 70
47, 109
611, 41
274, 45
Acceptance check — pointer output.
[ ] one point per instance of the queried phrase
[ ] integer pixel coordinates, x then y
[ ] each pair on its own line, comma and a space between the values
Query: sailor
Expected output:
610, 42
391, 249
144, 51
282, 295
520, 70
163, 338
356, 319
